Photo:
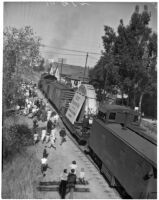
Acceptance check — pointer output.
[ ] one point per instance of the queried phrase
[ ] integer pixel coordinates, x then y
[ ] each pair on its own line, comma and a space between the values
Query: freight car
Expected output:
60, 95
73, 105
123, 154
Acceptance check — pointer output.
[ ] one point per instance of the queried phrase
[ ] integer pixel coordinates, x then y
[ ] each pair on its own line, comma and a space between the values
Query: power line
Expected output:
93, 57
49, 52
43, 45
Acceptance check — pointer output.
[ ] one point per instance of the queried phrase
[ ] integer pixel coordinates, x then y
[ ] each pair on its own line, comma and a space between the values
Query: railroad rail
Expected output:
86, 158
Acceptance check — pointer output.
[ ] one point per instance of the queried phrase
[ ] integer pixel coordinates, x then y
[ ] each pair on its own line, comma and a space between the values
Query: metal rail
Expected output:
81, 148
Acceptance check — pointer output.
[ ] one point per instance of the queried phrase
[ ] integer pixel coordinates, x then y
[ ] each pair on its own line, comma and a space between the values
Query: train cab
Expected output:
117, 114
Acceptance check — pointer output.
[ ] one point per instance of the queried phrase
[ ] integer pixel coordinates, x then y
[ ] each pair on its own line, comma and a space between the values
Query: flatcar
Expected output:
123, 154
73, 105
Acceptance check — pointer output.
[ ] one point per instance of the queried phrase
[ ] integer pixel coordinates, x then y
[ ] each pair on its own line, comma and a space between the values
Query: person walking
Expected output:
53, 138
62, 135
49, 112
45, 153
43, 135
49, 128
63, 184
71, 180
35, 136
43, 166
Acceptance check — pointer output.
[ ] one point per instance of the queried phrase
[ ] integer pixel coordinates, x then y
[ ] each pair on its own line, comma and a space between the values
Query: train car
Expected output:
125, 157
80, 113
59, 94
72, 105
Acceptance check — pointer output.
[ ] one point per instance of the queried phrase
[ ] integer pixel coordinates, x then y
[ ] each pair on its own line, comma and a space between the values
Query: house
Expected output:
71, 75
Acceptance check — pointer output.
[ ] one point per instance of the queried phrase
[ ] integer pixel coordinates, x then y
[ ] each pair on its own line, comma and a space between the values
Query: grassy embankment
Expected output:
20, 176
21, 168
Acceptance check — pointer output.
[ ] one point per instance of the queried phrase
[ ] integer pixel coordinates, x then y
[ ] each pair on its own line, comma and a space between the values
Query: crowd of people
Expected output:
35, 108
69, 180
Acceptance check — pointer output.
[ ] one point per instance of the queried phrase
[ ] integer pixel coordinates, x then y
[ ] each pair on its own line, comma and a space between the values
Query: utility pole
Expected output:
85, 66
61, 68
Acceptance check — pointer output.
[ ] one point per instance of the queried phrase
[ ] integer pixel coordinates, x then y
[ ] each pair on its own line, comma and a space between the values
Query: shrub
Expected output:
14, 139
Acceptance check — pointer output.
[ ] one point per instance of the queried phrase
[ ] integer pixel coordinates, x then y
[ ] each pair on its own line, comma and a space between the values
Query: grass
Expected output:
21, 173
20, 176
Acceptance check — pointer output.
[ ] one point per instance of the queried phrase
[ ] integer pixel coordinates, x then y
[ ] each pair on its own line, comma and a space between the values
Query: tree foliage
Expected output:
129, 58
20, 53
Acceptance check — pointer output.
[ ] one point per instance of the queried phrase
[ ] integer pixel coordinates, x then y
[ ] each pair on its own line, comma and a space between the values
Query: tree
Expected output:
105, 73
133, 50
20, 52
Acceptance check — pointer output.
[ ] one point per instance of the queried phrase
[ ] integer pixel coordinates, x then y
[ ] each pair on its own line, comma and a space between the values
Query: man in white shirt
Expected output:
49, 112
44, 166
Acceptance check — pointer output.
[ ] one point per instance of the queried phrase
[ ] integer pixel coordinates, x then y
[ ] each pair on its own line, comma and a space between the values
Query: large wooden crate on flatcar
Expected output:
127, 156
58, 93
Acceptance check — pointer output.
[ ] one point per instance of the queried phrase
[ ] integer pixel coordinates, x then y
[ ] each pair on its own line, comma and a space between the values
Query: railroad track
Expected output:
92, 167
99, 177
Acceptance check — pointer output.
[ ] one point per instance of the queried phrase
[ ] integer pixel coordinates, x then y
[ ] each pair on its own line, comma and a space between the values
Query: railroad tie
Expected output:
53, 186
54, 189
49, 183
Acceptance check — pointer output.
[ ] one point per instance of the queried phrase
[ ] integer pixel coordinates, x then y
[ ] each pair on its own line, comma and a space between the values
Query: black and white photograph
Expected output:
79, 100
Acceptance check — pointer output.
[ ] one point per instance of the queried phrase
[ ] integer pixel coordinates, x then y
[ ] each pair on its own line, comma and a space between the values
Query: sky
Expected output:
68, 26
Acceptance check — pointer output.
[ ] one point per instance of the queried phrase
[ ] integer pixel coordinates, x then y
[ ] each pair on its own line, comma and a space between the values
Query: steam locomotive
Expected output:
125, 154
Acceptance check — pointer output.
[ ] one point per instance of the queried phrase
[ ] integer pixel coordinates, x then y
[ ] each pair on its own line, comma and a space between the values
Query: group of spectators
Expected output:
37, 109
26, 91
69, 180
